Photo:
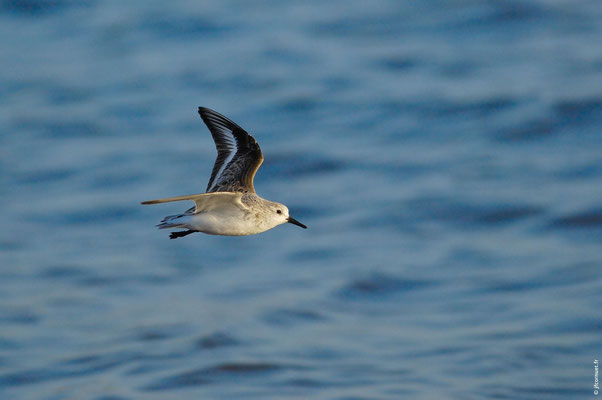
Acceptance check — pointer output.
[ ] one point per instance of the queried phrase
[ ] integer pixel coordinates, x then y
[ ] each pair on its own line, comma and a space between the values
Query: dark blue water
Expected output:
445, 155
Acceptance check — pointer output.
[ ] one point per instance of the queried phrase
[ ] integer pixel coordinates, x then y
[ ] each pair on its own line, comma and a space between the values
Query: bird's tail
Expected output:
172, 221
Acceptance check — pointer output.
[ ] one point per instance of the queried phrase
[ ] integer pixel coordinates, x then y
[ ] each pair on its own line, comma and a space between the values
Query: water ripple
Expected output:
204, 376
589, 219
380, 286
216, 340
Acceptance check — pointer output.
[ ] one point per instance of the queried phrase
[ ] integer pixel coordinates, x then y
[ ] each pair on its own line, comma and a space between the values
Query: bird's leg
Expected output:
175, 235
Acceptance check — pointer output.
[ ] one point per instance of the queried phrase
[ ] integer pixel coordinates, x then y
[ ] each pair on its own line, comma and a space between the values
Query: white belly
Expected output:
231, 224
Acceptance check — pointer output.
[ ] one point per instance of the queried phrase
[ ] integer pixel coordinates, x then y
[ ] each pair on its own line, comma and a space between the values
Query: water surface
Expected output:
445, 156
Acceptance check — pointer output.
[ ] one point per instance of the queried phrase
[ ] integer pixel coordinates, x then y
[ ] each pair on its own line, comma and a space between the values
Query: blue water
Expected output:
446, 157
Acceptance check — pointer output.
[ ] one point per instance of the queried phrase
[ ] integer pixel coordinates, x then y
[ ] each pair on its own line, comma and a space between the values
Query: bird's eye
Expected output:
279, 211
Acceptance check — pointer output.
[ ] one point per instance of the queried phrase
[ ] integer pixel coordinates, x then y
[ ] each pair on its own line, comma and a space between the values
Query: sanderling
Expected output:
230, 205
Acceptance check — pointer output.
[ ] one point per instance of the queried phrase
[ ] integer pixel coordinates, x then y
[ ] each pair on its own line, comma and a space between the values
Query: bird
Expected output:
229, 206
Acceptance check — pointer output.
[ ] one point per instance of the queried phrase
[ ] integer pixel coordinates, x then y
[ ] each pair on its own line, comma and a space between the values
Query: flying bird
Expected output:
230, 205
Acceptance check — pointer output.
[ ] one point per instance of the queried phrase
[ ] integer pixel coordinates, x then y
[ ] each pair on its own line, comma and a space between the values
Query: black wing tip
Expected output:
211, 117
205, 112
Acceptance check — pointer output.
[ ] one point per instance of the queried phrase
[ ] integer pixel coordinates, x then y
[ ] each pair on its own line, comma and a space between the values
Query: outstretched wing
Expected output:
205, 201
238, 155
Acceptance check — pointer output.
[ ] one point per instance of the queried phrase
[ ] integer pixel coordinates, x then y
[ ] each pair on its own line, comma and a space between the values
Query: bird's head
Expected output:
279, 215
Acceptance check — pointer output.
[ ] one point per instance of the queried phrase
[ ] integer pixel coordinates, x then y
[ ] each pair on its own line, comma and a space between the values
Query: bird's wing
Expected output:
238, 155
206, 201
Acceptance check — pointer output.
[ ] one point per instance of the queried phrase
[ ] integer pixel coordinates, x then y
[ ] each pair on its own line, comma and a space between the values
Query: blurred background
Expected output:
446, 156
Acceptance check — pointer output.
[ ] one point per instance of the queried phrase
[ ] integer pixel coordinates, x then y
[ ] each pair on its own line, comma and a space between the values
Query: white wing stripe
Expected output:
222, 168
227, 143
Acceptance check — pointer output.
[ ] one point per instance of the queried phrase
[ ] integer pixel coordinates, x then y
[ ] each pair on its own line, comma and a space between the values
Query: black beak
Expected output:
295, 222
